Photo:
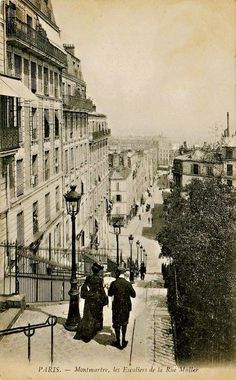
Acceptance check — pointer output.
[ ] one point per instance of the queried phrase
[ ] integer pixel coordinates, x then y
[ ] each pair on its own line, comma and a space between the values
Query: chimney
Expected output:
69, 48
116, 160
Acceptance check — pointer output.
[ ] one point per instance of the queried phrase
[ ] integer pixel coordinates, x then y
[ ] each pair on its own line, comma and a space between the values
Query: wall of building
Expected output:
2, 37
31, 183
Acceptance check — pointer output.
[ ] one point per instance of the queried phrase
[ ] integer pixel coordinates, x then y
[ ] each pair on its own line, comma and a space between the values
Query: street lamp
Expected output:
145, 259
137, 244
141, 253
97, 252
131, 269
73, 199
116, 227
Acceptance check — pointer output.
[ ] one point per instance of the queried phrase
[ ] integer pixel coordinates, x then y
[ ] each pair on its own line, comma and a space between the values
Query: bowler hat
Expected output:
96, 267
121, 269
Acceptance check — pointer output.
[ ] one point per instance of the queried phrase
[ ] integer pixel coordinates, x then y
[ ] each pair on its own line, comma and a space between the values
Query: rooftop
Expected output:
201, 155
120, 172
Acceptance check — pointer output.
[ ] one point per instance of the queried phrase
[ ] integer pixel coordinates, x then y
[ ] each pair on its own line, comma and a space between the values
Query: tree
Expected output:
198, 237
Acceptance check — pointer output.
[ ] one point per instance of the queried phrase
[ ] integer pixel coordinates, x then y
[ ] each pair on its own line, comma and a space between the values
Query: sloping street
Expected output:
149, 330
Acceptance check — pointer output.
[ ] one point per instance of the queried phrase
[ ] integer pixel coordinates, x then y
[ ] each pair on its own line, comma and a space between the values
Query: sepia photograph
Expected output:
117, 189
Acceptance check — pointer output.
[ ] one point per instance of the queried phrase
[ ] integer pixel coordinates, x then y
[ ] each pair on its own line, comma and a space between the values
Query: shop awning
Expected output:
14, 87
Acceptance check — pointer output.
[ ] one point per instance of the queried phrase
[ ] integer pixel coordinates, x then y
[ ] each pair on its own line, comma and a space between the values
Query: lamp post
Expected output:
137, 245
145, 259
141, 253
73, 199
97, 252
116, 227
144, 253
131, 269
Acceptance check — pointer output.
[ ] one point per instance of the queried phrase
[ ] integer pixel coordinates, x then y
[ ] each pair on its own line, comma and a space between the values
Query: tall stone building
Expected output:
85, 156
99, 179
32, 179
50, 135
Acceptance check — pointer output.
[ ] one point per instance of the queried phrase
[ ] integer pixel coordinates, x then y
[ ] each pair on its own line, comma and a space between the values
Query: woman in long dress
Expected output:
95, 299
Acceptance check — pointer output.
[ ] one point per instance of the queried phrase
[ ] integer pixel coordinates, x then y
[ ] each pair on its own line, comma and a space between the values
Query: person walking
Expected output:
142, 271
95, 297
121, 290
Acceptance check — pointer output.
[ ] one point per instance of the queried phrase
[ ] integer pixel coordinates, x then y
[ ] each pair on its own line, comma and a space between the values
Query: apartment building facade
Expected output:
137, 143
201, 163
98, 179
85, 157
33, 178
48, 135
131, 178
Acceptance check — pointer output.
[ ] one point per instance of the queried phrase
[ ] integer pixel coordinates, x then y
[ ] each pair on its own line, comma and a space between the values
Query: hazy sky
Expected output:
156, 65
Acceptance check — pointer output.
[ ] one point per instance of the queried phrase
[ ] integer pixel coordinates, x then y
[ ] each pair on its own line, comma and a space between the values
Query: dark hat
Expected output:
119, 270
96, 267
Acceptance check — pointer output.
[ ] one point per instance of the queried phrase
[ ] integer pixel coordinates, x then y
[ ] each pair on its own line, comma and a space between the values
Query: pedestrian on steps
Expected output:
121, 290
142, 270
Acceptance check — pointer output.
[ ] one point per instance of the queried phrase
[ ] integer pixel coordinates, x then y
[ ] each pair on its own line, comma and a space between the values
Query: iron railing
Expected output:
77, 103
29, 331
100, 134
35, 38
44, 274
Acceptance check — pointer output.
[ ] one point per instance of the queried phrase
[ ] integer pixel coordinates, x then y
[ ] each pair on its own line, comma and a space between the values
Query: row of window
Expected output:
75, 123
35, 210
40, 79
78, 157
68, 90
34, 170
48, 170
49, 117
20, 228
209, 169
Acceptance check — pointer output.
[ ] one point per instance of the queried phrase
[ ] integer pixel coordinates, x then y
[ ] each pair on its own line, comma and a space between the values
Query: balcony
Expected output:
9, 139
77, 103
98, 135
34, 41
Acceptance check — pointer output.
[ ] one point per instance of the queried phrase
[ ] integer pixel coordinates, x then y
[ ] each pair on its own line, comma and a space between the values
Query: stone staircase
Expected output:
11, 307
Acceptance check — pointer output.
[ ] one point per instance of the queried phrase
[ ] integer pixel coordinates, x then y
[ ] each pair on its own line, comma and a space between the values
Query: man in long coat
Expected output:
121, 290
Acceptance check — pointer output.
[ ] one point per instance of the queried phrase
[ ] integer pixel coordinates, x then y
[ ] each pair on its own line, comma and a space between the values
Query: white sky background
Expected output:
156, 65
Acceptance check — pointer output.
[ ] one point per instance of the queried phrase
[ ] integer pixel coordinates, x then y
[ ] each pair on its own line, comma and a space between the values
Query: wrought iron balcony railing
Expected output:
22, 32
9, 138
74, 102
100, 134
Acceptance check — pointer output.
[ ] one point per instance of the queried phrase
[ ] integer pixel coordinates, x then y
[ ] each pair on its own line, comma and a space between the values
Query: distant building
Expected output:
196, 164
165, 152
162, 151
131, 177
207, 162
